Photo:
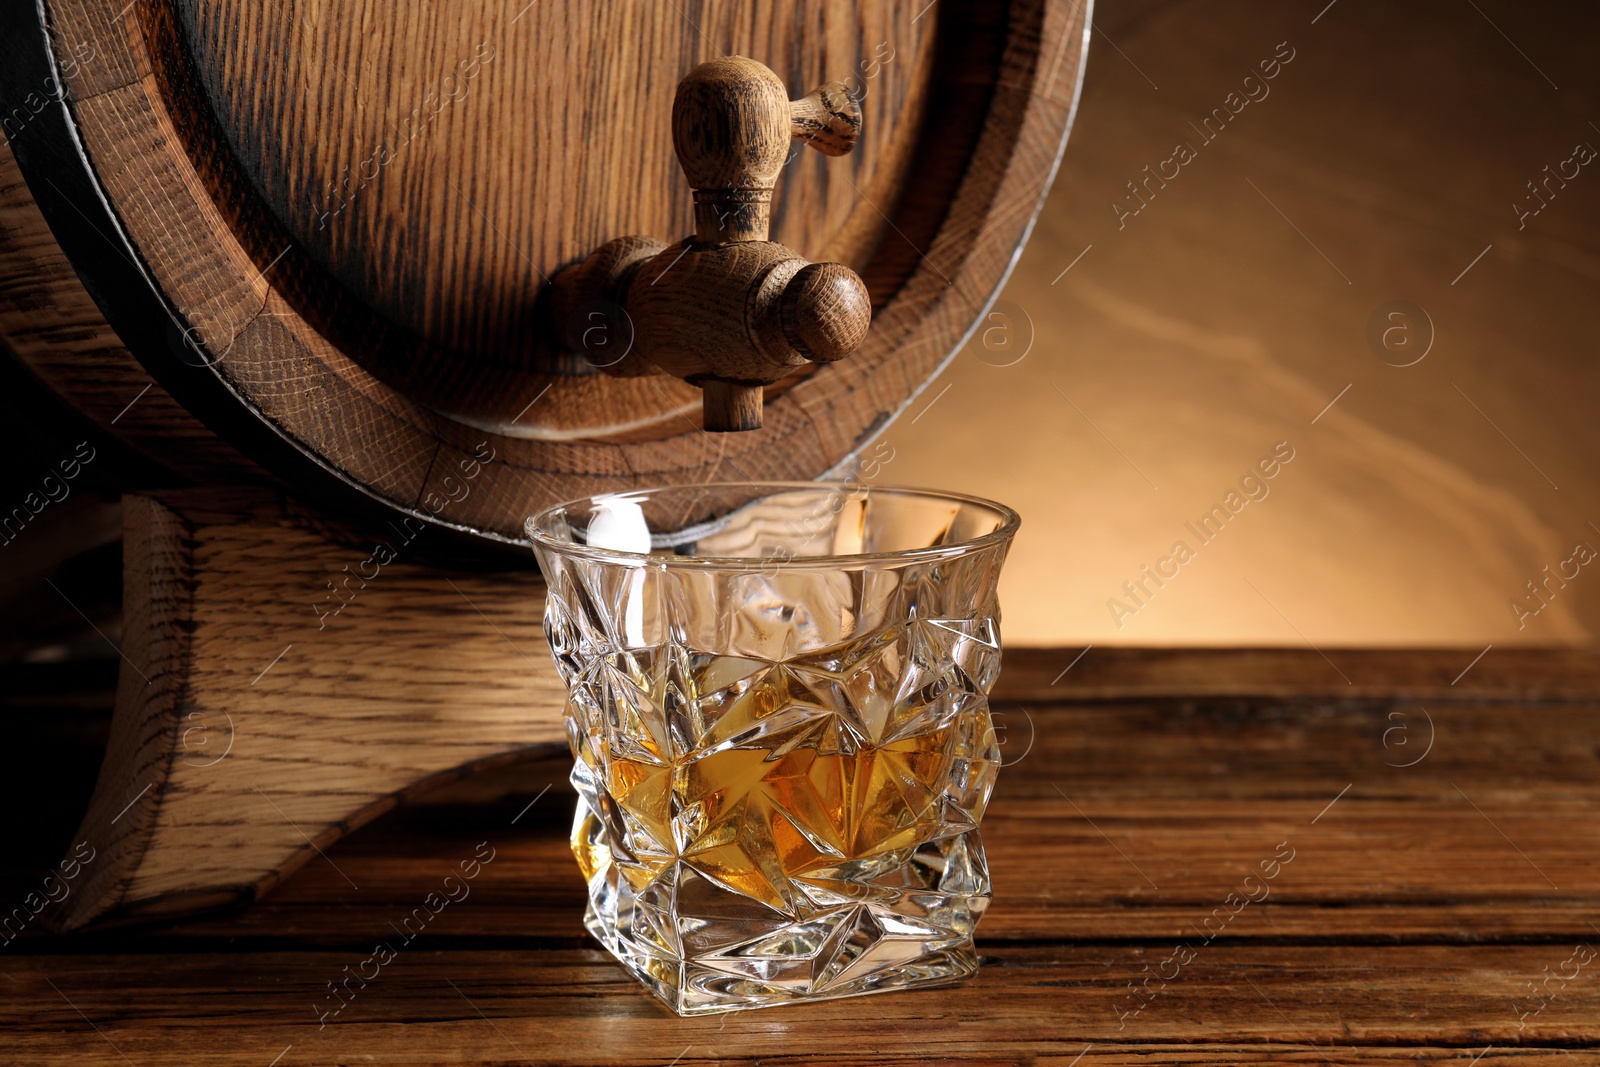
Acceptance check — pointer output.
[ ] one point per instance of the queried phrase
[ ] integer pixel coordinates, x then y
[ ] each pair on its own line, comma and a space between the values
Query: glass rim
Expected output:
1010, 522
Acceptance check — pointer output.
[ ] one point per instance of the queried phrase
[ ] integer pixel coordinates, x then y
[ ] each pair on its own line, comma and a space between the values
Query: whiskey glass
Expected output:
778, 714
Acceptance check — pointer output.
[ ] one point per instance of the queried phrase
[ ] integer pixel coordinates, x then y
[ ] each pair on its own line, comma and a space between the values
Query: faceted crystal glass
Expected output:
778, 714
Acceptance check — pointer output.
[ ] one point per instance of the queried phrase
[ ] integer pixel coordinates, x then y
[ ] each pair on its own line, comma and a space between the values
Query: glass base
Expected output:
849, 952
891, 921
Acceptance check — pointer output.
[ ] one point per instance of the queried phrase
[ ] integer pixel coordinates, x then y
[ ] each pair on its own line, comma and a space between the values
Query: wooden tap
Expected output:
725, 309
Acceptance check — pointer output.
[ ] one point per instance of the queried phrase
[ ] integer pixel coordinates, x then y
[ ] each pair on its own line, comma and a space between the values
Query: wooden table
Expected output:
1424, 862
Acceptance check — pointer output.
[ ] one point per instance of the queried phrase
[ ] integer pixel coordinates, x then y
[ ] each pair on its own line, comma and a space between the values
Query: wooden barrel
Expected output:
309, 238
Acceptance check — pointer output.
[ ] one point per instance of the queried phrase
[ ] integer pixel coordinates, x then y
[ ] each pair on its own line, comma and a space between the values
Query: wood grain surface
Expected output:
1413, 909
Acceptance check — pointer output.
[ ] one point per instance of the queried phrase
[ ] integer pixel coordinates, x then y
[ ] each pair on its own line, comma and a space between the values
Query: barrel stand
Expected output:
285, 680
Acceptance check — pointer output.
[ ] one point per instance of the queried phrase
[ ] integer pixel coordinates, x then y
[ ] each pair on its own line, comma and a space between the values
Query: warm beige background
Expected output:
1208, 329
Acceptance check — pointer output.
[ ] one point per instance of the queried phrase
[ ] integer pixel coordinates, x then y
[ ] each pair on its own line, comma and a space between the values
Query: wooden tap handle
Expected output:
828, 119
825, 312
732, 123
731, 130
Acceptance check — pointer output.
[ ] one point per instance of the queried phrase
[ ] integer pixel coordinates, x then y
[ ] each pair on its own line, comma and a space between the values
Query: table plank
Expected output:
573, 1006
1119, 672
